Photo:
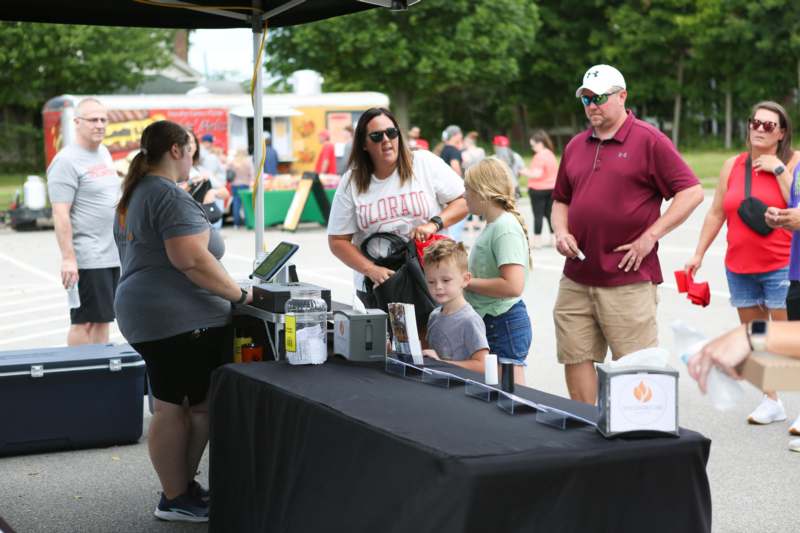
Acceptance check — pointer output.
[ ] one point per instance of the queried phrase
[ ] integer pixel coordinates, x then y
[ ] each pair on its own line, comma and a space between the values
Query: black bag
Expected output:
198, 192
407, 285
752, 210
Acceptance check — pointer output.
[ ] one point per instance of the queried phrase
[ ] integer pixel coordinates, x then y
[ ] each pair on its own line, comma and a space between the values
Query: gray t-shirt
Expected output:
154, 299
457, 336
87, 180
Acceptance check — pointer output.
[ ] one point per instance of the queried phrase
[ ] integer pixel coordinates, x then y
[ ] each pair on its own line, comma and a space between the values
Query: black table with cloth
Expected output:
347, 447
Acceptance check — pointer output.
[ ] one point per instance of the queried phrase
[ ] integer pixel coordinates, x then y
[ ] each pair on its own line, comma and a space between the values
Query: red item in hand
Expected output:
698, 293
421, 245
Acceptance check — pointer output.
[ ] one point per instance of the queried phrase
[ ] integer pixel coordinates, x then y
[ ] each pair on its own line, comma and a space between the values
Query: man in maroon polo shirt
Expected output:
607, 219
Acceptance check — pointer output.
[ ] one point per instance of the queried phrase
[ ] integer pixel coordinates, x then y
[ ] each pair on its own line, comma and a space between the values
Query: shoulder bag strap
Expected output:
748, 176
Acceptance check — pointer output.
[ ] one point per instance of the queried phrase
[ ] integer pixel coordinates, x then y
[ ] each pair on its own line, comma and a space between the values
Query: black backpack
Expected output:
407, 285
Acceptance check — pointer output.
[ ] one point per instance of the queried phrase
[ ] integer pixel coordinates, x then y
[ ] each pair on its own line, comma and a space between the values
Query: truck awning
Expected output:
246, 111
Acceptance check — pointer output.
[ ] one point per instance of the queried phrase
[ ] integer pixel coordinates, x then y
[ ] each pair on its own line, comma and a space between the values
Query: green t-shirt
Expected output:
502, 242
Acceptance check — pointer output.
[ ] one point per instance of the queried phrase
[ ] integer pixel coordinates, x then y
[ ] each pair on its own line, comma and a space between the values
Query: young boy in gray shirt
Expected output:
456, 333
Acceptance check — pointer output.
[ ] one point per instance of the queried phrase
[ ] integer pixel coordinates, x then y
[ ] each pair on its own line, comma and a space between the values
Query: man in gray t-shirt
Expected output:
84, 190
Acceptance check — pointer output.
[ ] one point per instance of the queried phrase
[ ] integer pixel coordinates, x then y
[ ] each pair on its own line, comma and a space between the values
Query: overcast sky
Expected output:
215, 51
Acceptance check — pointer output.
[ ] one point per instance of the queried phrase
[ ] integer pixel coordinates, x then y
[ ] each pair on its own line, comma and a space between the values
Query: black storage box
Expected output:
70, 397
272, 297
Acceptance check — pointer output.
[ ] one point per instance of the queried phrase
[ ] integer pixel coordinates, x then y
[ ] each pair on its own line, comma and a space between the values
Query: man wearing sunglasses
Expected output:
84, 189
607, 219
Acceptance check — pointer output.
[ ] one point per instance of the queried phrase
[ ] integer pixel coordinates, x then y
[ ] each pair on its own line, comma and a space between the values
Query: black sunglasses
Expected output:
377, 136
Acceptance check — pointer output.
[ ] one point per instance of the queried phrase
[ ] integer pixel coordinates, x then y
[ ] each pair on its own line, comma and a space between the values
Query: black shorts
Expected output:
180, 367
96, 287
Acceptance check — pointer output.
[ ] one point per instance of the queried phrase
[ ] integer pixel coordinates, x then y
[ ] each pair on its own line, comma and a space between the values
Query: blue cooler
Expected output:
70, 397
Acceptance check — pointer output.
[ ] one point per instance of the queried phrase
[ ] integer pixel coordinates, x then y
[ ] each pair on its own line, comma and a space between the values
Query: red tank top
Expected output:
748, 252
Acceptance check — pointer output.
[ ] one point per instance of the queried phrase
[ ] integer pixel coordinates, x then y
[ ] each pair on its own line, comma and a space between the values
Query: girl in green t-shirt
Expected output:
499, 262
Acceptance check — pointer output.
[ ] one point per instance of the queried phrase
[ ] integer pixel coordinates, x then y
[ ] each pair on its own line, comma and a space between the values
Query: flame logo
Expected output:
643, 393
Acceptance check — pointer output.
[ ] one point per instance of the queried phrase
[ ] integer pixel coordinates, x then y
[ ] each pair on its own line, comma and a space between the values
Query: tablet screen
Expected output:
275, 261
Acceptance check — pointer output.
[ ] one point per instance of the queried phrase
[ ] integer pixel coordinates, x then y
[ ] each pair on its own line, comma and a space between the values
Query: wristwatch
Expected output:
438, 221
757, 335
243, 298
779, 170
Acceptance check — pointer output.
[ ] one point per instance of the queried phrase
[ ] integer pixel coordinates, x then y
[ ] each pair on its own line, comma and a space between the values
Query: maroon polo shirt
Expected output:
614, 189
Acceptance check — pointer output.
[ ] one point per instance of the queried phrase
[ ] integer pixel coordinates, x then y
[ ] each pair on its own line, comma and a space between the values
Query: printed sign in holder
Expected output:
637, 401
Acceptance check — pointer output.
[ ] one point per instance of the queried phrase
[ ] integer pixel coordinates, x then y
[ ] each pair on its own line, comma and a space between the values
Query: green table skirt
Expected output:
276, 204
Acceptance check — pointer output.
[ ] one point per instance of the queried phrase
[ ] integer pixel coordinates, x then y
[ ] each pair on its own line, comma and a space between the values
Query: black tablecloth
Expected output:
347, 447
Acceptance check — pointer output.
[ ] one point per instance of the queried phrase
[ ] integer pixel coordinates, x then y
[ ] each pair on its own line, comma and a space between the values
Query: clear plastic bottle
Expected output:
73, 296
723, 391
306, 324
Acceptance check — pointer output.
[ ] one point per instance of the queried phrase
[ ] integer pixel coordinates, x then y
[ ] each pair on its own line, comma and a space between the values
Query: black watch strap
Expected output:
243, 298
439, 222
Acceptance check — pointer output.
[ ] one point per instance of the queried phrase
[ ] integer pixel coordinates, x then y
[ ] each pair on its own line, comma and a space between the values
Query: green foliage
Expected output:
452, 59
40, 61
490, 63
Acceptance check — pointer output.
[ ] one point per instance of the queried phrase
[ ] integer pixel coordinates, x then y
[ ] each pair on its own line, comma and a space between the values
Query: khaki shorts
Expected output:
589, 320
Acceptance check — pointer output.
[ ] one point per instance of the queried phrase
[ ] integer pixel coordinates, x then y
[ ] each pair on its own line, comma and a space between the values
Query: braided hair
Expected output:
493, 180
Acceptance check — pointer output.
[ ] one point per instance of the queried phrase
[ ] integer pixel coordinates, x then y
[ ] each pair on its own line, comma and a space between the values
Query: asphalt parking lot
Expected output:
755, 480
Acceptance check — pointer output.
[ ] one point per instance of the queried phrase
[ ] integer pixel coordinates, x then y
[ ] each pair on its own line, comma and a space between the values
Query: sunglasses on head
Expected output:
767, 125
598, 99
377, 136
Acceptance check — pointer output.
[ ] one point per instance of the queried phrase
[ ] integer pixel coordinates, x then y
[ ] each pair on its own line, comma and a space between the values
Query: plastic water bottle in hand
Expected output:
73, 296
723, 390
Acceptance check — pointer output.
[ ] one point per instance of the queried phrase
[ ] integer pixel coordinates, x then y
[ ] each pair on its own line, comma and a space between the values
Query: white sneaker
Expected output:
794, 445
794, 429
767, 412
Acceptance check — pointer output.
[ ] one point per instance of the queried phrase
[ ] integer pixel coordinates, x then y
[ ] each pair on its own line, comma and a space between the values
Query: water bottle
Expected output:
306, 322
73, 296
723, 391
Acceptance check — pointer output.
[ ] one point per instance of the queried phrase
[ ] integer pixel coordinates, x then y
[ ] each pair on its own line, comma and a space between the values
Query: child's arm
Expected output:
430, 353
474, 363
510, 284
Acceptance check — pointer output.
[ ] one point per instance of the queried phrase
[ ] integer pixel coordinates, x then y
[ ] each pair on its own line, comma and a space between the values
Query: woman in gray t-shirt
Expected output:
173, 306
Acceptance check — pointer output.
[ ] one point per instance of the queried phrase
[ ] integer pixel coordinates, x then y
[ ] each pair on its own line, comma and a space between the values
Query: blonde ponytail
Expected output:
509, 205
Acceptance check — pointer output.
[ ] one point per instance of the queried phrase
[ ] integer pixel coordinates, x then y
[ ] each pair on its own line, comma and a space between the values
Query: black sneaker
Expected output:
198, 492
184, 508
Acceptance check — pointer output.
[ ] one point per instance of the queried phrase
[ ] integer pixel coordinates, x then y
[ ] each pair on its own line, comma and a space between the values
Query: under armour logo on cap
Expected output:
601, 79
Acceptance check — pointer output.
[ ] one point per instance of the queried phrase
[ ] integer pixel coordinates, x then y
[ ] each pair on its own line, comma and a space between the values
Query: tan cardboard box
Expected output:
772, 372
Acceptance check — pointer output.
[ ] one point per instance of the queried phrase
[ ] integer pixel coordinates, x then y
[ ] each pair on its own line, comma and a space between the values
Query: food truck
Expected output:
293, 120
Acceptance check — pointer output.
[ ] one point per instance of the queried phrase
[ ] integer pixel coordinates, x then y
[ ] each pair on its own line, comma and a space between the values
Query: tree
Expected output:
40, 61
650, 44
441, 60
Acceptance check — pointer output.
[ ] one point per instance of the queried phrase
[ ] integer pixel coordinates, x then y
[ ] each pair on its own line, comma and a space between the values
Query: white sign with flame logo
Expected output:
642, 402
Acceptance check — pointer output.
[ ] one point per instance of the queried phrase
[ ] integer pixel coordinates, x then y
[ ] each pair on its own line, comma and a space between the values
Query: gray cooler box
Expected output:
70, 397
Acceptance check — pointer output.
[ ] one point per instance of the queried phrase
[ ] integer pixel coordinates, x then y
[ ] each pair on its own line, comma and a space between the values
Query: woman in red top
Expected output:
541, 176
756, 265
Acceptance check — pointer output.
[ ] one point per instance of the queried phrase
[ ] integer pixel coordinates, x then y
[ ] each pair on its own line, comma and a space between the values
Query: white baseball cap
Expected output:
600, 79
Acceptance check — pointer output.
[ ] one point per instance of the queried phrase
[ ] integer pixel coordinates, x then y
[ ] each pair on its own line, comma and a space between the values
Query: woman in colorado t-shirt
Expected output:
389, 189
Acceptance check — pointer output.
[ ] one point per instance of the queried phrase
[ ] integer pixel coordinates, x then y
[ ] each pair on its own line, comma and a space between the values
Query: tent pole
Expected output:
258, 134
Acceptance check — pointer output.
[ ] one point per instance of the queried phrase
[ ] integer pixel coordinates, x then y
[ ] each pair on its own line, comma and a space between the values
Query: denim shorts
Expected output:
767, 289
510, 334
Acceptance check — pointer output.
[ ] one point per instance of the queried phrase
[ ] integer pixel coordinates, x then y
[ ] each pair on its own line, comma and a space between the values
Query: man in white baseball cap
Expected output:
611, 184
601, 79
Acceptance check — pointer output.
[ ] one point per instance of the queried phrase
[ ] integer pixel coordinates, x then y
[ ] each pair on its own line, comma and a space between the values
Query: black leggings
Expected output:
542, 204
793, 301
